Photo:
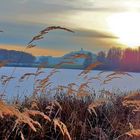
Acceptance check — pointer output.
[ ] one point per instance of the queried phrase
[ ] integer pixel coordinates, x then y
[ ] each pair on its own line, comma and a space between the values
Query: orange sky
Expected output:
35, 51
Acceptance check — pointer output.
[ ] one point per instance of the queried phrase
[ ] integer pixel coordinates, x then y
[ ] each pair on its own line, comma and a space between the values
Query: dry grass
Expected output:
70, 118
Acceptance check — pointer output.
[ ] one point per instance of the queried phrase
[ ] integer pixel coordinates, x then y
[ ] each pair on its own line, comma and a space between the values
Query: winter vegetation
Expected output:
71, 118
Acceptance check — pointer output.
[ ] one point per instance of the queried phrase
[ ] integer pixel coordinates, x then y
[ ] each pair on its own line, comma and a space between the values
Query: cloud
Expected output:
73, 13
16, 10
94, 34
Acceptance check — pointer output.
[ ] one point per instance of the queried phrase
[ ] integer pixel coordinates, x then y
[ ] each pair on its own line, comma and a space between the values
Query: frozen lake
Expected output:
63, 77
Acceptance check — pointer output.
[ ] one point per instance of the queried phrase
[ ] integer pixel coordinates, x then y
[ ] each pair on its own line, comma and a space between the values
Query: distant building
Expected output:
68, 60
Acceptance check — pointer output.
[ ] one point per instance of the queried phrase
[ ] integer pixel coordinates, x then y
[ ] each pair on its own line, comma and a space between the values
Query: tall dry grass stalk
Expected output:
135, 133
44, 32
62, 127
21, 117
89, 68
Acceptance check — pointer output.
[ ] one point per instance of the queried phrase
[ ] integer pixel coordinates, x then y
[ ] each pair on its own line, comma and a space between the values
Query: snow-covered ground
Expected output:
64, 77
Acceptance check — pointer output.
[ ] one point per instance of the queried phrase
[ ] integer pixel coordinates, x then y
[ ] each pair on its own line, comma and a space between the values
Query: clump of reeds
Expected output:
68, 117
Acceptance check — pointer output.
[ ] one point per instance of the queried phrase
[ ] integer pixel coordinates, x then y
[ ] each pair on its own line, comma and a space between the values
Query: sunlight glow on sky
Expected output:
99, 24
126, 27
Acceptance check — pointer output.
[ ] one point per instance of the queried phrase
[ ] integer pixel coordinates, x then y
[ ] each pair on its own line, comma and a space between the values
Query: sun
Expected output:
126, 26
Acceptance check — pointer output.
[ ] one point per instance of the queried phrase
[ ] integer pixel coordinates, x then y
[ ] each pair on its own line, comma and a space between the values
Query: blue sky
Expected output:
22, 19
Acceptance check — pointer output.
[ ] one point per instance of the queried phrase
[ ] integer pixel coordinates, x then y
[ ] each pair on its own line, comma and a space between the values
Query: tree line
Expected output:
114, 59
16, 56
120, 59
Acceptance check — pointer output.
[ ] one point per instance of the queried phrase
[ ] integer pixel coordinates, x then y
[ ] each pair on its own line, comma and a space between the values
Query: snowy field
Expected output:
64, 77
